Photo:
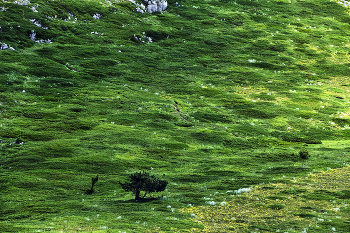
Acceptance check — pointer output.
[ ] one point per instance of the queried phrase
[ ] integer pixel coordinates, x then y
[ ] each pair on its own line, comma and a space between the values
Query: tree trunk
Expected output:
137, 195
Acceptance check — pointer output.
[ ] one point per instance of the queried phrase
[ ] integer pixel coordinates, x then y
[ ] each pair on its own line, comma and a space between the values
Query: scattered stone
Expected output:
156, 6
32, 36
22, 2
143, 38
96, 16
150, 6
5, 46
344, 3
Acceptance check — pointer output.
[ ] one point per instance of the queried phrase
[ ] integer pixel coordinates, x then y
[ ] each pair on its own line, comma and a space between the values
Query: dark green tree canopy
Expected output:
143, 181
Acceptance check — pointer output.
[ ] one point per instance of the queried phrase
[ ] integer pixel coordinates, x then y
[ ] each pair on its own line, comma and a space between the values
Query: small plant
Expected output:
143, 181
304, 154
18, 141
94, 180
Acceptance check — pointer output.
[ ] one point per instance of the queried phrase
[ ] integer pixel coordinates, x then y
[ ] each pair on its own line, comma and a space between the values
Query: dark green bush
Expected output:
304, 154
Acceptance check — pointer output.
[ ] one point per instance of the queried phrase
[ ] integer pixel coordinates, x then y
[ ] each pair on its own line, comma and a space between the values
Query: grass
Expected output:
227, 97
316, 203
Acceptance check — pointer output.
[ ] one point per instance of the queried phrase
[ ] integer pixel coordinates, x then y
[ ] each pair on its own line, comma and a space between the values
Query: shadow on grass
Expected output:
145, 200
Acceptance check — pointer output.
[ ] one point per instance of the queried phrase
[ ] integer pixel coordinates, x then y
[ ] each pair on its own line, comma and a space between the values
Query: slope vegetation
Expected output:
214, 96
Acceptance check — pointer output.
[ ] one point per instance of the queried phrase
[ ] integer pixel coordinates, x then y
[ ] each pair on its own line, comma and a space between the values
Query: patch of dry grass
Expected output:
298, 205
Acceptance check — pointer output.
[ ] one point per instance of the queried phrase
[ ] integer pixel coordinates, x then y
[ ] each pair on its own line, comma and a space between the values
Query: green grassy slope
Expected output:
224, 97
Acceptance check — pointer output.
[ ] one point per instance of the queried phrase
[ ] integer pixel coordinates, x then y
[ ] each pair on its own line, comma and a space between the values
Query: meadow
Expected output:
221, 98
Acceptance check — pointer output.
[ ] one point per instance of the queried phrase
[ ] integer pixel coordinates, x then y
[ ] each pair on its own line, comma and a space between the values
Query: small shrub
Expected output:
304, 154
143, 181
93, 182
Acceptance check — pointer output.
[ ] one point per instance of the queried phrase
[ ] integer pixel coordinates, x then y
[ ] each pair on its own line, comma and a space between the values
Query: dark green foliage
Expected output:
143, 181
304, 154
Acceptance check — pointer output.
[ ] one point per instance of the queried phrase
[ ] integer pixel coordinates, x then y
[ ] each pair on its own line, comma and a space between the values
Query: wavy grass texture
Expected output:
228, 101
316, 203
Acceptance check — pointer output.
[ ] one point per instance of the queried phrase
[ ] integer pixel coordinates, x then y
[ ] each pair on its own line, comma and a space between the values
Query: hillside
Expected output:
215, 96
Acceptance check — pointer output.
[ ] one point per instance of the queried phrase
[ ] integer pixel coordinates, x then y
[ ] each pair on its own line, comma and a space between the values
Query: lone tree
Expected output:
143, 181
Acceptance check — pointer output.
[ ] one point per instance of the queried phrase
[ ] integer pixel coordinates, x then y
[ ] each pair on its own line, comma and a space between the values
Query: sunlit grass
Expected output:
293, 206
221, 102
